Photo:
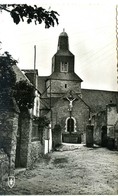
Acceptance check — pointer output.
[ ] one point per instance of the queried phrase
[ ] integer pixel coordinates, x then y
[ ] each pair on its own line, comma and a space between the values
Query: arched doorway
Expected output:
70, 135
70, 125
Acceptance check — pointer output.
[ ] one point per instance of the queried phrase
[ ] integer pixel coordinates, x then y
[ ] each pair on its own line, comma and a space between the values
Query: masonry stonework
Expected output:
80, 114
112, 117
4, 165
59, 87
8, 138
99, 121
25, 128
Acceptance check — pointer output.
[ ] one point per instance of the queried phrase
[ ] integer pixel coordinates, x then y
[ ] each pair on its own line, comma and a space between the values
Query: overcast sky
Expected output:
91, 27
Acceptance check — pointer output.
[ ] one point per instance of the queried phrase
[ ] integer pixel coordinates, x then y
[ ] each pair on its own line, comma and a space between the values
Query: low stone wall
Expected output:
4, 165
35, 151
74, 137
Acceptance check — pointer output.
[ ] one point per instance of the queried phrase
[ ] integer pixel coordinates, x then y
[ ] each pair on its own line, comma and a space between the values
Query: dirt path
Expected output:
71, 170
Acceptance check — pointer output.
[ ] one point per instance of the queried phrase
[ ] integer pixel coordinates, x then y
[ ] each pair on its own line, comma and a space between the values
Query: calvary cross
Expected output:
70, 102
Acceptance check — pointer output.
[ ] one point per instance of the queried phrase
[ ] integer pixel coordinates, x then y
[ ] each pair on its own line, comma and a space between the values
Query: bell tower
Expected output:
63, 60
63, 77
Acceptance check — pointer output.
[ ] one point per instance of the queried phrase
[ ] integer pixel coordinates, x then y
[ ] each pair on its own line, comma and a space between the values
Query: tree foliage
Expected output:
7, 75
43, 121
24, 94
19, 12
22, 91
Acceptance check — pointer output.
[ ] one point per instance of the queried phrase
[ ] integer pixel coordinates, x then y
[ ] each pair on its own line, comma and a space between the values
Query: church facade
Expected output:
64, 101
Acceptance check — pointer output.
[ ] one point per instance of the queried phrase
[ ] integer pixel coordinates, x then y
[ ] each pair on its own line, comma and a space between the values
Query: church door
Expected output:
70, 125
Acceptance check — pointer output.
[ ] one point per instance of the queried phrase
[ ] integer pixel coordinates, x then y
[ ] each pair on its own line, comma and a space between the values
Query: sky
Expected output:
91, 28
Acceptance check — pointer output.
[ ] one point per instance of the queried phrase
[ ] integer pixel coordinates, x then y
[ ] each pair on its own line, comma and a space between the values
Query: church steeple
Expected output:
63, 60
63, 41
63, 76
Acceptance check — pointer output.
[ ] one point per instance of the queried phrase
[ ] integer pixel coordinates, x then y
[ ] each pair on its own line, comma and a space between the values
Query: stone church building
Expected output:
64, 101
59, 97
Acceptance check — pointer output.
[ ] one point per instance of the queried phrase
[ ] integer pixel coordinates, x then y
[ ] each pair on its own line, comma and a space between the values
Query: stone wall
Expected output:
35, 152
25, 128
4, 165
112, 117
59, 87
30, 148
8, 133
99, 121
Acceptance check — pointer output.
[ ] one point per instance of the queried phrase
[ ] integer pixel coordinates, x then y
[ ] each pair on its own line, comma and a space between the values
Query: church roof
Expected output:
98, 99
63, 34
65, 76
19, 75
64, 53
41, 83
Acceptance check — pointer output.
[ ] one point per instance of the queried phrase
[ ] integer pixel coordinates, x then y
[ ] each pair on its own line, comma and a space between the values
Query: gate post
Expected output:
89, 135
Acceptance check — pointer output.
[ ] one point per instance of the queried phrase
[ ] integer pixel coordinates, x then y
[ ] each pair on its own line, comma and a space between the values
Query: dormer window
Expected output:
64, 67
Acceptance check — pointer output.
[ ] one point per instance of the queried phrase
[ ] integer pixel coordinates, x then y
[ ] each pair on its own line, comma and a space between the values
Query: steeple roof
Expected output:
63, 34
63, 43
65, 76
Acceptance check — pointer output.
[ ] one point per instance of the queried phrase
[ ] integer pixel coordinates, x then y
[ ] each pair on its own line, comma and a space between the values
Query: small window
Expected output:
65, 85
64, 67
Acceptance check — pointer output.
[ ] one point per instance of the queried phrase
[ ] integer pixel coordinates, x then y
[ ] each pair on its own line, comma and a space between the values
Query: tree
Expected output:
7, 75
28, 13
23, 93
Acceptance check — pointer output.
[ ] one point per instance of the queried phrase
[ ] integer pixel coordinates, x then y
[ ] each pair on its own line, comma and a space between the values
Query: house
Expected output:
20, 137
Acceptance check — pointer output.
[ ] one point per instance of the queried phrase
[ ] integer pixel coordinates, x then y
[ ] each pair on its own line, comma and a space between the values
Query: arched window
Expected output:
70, 125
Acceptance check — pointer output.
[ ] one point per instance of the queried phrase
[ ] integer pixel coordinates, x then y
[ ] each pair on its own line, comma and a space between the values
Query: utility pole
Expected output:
34, 65
34, 57
50, 102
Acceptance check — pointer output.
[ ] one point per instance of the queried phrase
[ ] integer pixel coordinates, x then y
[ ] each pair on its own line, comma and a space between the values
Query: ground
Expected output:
72, 169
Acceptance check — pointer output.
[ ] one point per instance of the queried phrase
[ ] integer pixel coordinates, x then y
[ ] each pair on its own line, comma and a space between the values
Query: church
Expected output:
74, 114
63, 100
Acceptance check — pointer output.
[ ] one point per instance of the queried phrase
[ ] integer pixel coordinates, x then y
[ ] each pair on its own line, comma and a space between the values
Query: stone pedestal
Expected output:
56, 136
89, 136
